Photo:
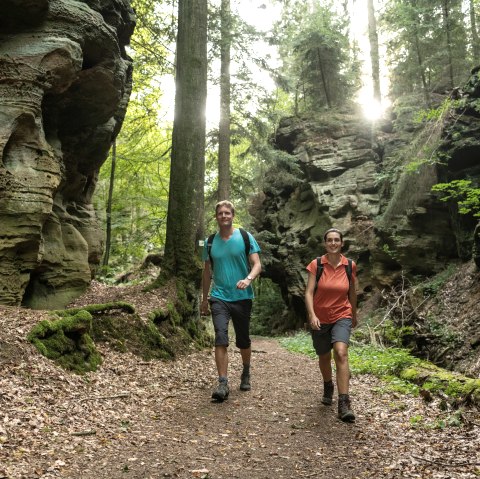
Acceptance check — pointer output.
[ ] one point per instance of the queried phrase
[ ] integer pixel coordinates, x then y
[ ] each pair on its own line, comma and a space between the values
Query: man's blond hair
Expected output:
226, 203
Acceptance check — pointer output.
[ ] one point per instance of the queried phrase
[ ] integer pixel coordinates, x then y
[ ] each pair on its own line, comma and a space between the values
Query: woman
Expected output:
332, 312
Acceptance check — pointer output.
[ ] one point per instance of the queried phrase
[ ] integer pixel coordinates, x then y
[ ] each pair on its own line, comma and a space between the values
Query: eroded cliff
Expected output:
65, 80
372, 181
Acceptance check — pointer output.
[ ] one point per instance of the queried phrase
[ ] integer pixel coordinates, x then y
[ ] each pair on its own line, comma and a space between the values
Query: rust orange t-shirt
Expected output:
330, 302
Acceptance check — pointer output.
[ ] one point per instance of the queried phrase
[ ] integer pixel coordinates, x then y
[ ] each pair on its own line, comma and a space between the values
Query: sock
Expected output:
223, 379
246, 369
328, 382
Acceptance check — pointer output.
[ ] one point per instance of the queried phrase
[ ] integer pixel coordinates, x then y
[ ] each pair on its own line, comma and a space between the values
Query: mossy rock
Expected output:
459, 389
130, 333
97, 309
67, 341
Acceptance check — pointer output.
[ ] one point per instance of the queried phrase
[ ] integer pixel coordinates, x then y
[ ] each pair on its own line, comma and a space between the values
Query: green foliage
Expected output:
142, 170
301, 343
463, 193
416, 48
396, 335
319, 69
439, 113
268, 308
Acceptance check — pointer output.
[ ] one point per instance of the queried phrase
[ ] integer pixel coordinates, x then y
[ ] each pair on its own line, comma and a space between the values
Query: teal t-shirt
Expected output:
230, 265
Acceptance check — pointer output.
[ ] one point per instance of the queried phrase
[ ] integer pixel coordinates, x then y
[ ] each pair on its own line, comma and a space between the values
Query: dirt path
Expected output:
277, 430
139, 420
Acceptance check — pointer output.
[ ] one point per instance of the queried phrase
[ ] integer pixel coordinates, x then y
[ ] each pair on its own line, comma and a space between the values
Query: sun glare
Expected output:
372, 110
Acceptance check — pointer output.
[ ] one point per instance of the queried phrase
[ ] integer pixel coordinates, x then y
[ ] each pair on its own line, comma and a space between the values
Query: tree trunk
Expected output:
374, 54
108, 238
446, 22
426, 91
224, 126
475, 40
421, 68
324, 81
185, 206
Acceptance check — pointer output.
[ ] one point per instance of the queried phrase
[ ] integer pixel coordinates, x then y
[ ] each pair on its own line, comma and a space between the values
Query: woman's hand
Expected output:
314, 322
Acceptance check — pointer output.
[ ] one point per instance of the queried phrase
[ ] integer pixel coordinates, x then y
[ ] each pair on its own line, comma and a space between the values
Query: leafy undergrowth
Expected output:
401, 372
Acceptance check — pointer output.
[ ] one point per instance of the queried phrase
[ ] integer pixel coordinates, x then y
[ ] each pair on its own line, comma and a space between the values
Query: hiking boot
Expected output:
327, 398
344, 411
220, 393
245, 382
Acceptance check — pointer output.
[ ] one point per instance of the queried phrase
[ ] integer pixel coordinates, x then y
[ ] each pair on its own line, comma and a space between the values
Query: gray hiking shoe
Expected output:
345, 412
245, 382
220, 393
327, 398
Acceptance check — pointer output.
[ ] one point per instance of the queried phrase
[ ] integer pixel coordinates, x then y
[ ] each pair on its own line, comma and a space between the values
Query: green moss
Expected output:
97, 309
130, 333
397, 335
67, 341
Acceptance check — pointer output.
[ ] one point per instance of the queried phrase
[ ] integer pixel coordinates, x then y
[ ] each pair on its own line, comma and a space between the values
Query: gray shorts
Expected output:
328, 334
239, 312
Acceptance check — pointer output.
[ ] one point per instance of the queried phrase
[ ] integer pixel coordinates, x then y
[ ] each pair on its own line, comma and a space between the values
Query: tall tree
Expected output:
474, 32
374, 53
318, 67
224, 125
185, 207
108, 236
448, 32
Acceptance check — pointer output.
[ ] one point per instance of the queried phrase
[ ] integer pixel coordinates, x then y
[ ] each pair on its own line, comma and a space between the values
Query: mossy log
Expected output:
67, 341
451, 386
97, 309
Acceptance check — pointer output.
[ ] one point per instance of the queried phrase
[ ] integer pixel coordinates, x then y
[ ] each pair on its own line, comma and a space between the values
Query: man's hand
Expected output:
243, 283
204, 308
354, 322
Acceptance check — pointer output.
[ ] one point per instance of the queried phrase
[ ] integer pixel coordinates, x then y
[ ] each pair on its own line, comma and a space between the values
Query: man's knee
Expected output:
243, 343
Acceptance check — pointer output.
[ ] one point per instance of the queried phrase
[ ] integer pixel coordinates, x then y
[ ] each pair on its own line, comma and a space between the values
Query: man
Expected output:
232, 293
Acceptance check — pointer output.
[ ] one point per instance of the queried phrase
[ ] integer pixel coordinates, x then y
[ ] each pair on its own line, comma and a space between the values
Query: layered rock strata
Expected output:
65, 80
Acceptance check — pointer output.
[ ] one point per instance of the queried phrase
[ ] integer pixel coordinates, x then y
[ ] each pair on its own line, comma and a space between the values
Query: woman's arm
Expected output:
312, 318
352, 297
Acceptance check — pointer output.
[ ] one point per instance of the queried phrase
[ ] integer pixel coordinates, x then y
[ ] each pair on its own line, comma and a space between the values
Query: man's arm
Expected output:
256, 269
206, 280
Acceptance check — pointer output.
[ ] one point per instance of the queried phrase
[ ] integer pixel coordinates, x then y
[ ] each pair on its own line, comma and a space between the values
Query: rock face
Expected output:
65, 80
346, 173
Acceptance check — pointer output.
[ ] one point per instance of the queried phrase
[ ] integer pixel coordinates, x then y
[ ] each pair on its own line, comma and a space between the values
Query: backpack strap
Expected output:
209, 249
319, 273
246, 240
348, 270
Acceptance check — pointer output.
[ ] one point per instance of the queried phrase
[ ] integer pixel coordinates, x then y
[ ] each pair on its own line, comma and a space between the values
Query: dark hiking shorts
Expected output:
328, 334
239, 312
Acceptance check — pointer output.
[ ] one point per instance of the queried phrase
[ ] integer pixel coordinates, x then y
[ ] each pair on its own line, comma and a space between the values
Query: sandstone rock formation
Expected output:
344, 172
65, 80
